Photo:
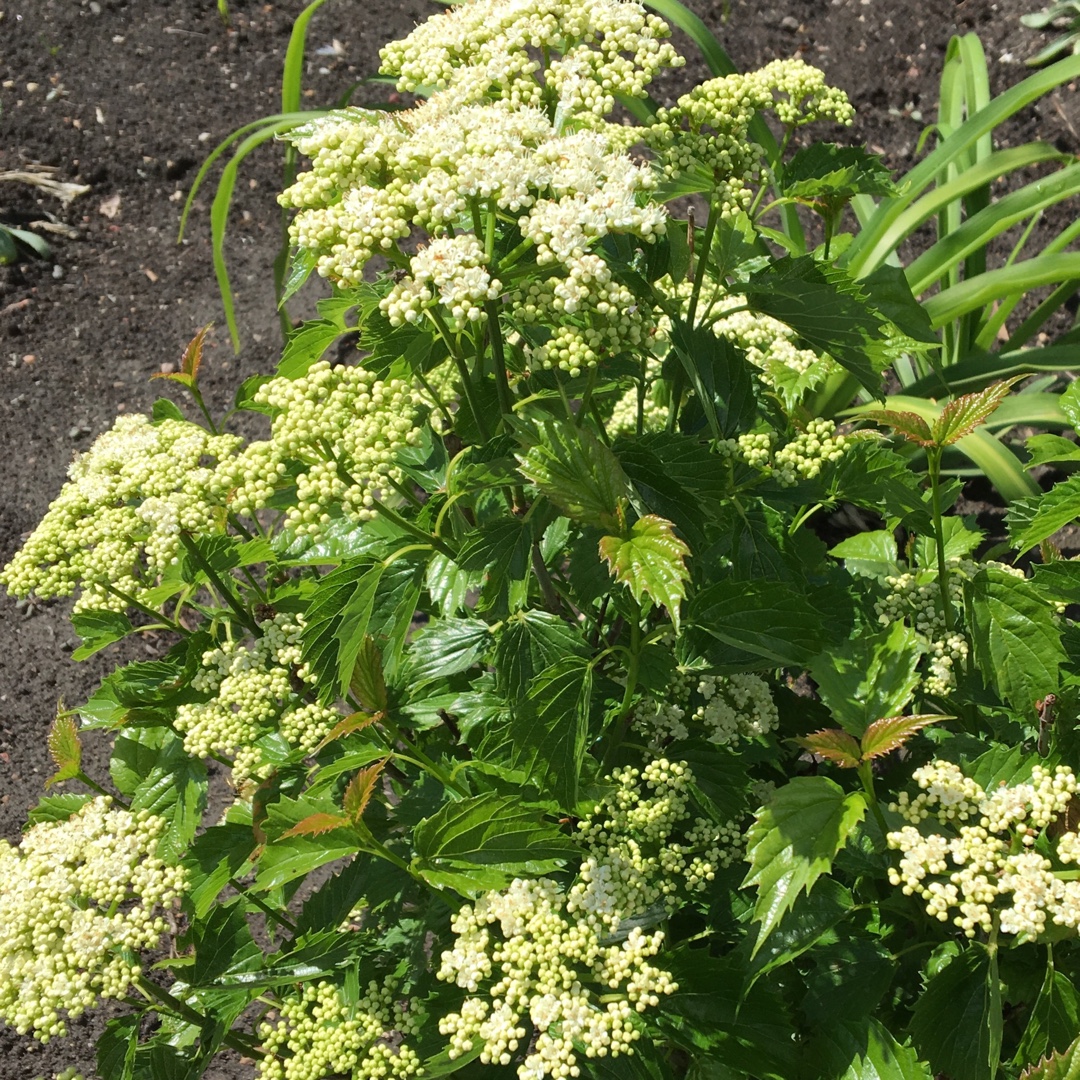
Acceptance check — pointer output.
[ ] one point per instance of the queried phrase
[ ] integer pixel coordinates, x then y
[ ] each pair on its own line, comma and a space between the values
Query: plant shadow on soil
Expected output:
128, 98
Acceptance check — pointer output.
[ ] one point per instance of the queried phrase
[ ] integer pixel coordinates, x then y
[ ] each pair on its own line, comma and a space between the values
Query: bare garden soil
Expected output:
128, 97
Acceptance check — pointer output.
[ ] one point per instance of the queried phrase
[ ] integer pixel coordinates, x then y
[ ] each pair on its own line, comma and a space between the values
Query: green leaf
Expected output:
1063, 1066
1017, 645
794, 840
530, 642
368, 683
869, 676
64, 748
869, 554
650, 562
957, 1020
576, 471
502, 547
1047, 449
850, 1050
306, 346
98, 629
891, 295
890, 733
224, 945
57, 807
1054, 1020
484, 841
765, 618
446, 647
875, 477
548, 730
1033, 520
824, 170
116, 1048
828, 310
352, 630
848, 980
220, 853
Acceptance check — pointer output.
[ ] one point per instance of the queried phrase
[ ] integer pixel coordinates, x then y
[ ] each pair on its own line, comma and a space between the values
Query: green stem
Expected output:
498, 355
413, 530
703, 262
93, 785
933, 458
145, 609
242, 614
196, 393
233, 1039
866, 776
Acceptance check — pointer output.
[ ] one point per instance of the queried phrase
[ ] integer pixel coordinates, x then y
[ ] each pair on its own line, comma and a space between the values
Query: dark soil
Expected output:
129, 97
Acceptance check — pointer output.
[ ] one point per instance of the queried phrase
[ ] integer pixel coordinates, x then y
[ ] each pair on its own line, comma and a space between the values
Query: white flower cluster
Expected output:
555, 972
655, 410
523, 52
117, 521
988, 864
325, 1035
334, 435
77, 899
253, 683
450, 271
708, 129
722, 708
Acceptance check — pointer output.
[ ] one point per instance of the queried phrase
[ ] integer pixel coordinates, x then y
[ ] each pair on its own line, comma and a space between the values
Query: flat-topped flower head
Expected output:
581, 53
78, 899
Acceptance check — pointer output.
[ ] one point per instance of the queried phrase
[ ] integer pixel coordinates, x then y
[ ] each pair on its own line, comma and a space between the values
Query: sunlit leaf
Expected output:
964, 414
317, 825
890, 733
65, 749
908, 424
651, 562
361, 787
834, 745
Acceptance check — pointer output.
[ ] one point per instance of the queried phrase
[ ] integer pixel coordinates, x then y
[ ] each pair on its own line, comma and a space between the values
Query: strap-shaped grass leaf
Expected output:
1016, 641
957, 1021
964, 414
576, 471
1063, 1066
1031, 521
64, 748
651, 562
891, 732
794, 841
833, 745
361, 788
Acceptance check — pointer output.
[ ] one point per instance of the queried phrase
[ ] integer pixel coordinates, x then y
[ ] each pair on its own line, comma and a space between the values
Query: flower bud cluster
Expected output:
915, 598
558, 972
117, 521
253, 683
592, 49
708, 129
449, 271
77, 899
804, 457
334, 435
722, 708
986, 864
655, 407
325, 1035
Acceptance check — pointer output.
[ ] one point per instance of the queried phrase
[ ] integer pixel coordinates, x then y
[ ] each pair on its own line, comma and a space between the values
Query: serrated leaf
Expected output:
834, 745
1054, 1020
57, 807
1050, 449
1063, 1066
446, 647
116, 1048
869, 676
890, 733
1016, 642
361, 788
869, 554
829, 311
650, 562
306, 346
316, 825
368, 683
794, 840
850, 1050
964, 414
188, 375
1033, 520
576, 471
65, 749
528, 643
957, 1021
908, 424
830, 170
352, 630
873, 476
98, 629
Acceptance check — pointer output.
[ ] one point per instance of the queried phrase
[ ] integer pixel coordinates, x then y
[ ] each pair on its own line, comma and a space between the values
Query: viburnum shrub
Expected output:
517, 715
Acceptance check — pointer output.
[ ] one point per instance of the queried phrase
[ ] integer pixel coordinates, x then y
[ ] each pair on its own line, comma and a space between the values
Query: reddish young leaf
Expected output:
890, 733
64, 748
912, 426
964, 414
356, 721
317, 824
361, 788
188, 374
1063, 1066
835, 745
